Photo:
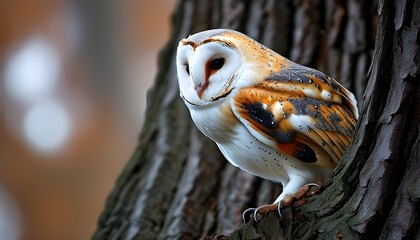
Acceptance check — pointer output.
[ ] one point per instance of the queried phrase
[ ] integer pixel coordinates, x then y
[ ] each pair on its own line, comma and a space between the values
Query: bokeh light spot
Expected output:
46, 126
32, 71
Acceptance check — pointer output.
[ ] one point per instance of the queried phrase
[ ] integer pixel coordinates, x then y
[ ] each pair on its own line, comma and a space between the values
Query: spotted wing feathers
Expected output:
301, 112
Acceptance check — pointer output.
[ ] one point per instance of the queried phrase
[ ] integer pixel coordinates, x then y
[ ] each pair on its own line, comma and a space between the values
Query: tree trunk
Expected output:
178, 186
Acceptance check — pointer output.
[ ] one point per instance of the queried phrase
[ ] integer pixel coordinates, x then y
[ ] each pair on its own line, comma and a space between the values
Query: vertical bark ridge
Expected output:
306, 31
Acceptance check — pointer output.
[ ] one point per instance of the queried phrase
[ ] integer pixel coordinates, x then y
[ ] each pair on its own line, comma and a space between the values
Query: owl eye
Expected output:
217, 63
187, 68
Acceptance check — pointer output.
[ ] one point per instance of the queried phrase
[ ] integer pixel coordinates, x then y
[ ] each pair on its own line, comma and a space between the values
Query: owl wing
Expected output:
301, 112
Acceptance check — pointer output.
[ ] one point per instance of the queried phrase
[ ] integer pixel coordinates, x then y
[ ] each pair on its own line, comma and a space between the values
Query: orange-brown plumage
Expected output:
332, 121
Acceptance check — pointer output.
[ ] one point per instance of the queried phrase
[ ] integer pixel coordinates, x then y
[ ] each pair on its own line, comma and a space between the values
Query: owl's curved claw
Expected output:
304, 192
246, 213
297, 199
262, 210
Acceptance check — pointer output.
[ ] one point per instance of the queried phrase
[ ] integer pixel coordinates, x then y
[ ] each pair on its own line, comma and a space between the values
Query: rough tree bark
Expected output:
178, 186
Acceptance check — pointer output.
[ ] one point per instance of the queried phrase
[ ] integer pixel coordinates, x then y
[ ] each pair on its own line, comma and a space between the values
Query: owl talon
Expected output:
262, 210
306, 191
246, 213
297, 199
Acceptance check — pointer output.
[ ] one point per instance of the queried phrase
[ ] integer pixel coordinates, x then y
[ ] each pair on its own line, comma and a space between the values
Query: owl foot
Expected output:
262, 210
297, 199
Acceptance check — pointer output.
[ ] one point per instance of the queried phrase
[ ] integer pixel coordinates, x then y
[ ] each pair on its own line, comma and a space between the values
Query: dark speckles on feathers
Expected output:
258, 113
334, 117
302, 106
301, 74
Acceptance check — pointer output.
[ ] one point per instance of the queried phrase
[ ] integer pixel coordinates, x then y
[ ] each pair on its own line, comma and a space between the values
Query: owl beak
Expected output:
200, 88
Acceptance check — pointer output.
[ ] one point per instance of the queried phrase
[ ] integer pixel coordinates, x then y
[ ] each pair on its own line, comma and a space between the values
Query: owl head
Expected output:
211, 64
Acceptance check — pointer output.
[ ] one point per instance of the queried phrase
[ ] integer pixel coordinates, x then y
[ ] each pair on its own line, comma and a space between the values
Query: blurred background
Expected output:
73, 81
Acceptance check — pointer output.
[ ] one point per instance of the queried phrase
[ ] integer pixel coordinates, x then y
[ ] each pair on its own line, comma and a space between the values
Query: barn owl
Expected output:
269, 116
